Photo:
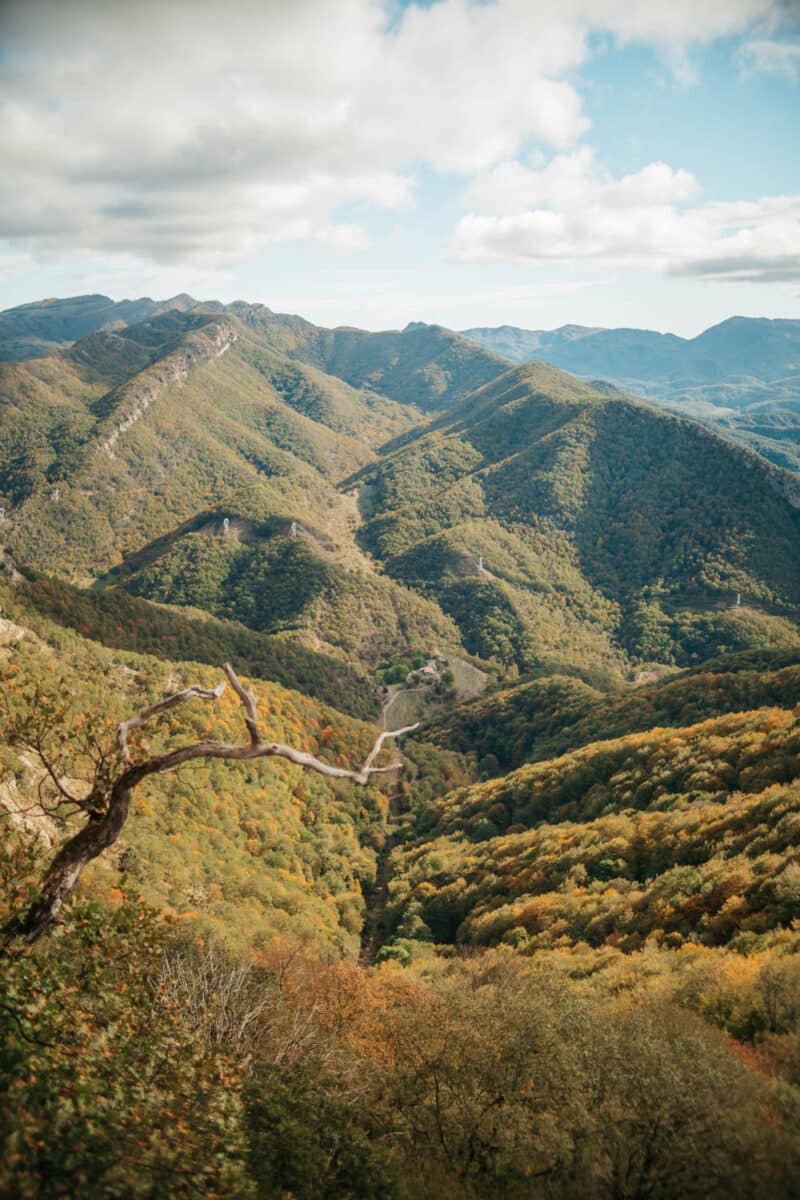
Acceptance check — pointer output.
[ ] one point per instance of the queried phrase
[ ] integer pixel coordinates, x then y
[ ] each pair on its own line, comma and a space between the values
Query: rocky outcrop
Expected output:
134, 398
8, 565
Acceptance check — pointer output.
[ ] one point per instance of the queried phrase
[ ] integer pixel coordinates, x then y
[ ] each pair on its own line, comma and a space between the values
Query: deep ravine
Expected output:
375, 929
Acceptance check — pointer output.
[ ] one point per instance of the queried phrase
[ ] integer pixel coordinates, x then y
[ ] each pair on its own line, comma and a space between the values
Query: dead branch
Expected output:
167, 702
109, 801
248, 700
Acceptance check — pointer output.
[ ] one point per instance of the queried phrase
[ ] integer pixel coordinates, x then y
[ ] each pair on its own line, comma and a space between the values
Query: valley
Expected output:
598, 802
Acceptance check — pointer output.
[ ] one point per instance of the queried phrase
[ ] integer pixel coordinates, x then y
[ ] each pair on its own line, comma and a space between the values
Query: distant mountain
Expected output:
520, 345
742, 376
34, 330
739, 347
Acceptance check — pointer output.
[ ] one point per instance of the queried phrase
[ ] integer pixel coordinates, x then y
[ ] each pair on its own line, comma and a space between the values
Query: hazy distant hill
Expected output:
520, 345
33, 330
739, 347
742, 376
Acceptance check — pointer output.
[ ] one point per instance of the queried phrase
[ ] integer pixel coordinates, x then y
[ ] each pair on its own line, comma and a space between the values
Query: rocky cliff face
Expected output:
133, 399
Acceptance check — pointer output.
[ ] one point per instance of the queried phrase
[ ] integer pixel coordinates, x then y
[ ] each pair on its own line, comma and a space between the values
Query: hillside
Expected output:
126, 454
116, 619
663, 815
741, 376
671, 835
544, 717
251, 853
424, 365
560, 525
229, 460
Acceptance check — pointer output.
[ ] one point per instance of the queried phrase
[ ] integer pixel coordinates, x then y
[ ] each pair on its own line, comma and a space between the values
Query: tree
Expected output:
677, 1113
108, 1086
479, 1078
116, 776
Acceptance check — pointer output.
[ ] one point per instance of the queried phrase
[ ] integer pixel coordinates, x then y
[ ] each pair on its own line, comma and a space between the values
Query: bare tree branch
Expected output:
248, 700
167, 702
109, 800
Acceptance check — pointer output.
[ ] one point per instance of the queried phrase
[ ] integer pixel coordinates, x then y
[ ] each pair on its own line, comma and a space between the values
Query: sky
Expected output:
371, 162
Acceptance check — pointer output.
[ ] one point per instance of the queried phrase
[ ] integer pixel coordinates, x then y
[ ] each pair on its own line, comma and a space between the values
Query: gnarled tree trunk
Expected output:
108, 807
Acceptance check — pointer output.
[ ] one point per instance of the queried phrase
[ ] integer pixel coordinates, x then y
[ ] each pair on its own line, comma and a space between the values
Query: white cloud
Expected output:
14, 265
193, 131
576, 181
572, 210
769, 57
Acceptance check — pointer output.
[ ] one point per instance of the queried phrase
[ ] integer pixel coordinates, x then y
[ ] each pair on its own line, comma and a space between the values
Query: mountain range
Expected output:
437, 495
575, 881
741, 377
35, 330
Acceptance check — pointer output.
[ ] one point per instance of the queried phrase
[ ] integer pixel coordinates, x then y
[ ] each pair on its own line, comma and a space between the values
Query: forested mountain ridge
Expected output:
742, 376
552, 522
640, 893
535, 519
542, 718
251, 853
676, 833
61, 410
141, 444
425, 365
